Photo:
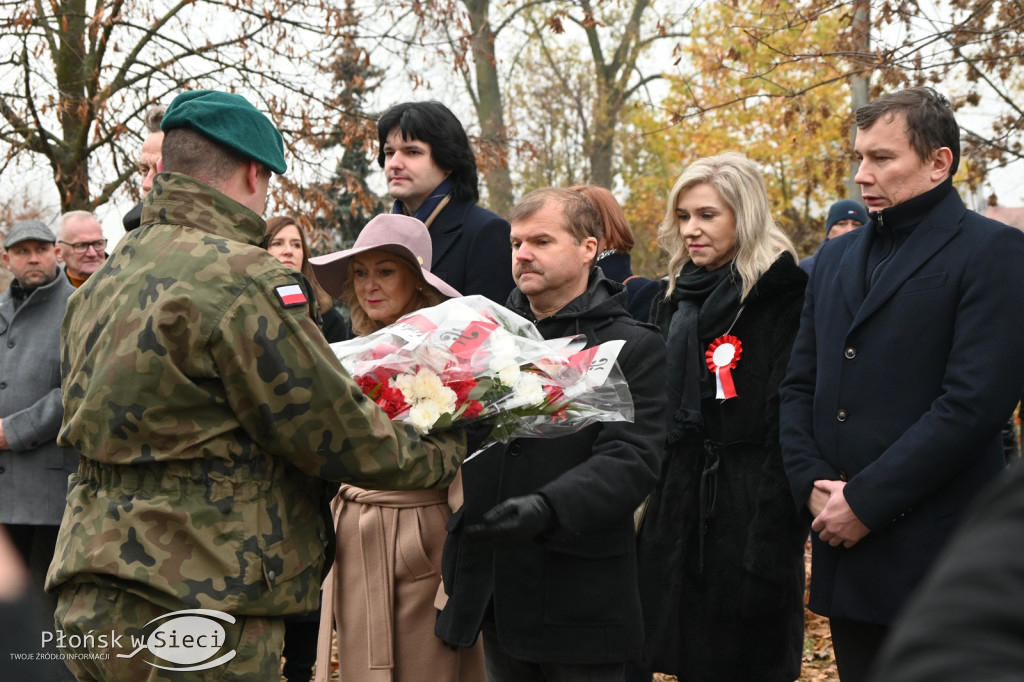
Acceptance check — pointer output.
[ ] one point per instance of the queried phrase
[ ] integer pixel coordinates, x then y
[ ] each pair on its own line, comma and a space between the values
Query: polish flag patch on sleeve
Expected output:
291, 295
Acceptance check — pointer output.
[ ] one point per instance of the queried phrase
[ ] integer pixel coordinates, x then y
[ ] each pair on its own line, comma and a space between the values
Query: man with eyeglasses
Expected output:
80, 245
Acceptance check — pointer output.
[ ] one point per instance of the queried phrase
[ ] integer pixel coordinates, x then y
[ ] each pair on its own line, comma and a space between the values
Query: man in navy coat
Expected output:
906, 365
431, 174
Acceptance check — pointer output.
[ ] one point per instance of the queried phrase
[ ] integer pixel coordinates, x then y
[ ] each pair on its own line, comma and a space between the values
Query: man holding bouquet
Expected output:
541, 557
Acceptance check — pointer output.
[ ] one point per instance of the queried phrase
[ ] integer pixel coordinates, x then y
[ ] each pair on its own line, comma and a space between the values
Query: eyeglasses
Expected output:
81, 247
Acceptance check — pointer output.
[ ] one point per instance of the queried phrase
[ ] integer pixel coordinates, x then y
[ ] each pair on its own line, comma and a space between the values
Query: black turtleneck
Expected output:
19, 294
893, 226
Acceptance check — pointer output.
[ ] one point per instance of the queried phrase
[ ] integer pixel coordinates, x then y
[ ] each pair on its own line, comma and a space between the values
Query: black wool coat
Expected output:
730, 606
471, 250
569, 596
901, 389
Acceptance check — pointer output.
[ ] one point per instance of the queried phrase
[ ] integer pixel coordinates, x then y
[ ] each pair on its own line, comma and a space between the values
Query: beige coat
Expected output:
382, 588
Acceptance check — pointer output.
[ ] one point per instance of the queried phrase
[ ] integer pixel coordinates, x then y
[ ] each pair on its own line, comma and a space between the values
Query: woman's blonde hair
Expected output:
362, 324
759, 239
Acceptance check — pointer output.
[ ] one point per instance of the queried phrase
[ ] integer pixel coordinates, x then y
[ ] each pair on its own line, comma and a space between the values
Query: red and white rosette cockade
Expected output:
722, 356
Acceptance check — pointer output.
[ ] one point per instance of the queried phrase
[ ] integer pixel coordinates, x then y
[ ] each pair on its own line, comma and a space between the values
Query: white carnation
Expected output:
503, 344
529, 390
404, 383
428, 396
505, 368
424, 415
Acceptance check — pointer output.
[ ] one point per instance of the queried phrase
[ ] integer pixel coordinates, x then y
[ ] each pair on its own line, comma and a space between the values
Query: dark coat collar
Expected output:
444, 230
603, 300
935, 229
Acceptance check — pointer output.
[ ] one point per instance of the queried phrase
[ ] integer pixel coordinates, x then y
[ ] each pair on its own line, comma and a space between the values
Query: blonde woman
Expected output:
387, 569
721, 546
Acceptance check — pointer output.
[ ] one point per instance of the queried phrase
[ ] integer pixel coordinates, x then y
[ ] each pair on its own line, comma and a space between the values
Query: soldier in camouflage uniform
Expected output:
205, 403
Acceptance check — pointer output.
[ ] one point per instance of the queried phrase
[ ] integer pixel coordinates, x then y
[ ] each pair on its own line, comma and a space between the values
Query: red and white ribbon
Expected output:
721, 357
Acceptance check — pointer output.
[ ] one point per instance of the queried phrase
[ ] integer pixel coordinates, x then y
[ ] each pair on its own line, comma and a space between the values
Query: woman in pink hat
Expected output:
387, 569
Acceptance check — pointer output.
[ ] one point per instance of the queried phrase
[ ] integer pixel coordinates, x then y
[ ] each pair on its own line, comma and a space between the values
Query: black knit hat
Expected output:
843, 210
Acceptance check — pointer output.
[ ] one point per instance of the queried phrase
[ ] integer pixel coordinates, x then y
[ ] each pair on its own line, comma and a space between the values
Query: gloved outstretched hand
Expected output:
515, 521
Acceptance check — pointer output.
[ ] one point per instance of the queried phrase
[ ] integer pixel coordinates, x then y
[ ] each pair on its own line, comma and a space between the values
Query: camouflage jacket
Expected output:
205, 401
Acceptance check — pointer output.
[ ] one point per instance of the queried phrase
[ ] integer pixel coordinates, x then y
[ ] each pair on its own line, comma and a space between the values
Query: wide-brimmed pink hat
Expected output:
399, 234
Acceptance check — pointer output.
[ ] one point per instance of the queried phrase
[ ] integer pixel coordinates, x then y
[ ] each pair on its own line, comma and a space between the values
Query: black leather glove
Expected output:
476, 432
515, 521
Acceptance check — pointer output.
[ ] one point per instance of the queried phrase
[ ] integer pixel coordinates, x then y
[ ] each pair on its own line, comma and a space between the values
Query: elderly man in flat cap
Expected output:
206, 405
33, 469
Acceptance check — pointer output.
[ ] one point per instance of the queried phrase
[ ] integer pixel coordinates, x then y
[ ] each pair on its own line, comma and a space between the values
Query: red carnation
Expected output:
369, 385
392, 401
473, 409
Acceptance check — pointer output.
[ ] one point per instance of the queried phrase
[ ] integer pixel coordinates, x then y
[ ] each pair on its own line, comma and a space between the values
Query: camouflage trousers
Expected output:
108, 635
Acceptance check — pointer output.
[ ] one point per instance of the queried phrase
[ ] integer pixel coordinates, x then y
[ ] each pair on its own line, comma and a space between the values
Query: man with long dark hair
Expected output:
431, 174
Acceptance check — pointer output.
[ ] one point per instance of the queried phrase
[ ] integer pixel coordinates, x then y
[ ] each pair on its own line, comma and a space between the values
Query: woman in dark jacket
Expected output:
721, 544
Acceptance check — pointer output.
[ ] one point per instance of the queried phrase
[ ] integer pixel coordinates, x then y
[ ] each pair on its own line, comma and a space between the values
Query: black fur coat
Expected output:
727, 604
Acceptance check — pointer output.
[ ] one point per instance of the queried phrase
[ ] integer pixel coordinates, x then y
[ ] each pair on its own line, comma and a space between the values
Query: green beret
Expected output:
230, 120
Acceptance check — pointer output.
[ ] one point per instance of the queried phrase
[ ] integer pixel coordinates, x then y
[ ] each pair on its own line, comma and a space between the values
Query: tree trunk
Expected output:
69, 158
602, 144
612, 77
490, 110
858, 84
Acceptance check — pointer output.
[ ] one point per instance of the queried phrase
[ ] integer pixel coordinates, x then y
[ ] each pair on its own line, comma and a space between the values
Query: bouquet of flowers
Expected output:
469, 358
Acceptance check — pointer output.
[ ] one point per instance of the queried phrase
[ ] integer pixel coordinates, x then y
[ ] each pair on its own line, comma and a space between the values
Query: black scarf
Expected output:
20, 294
705, 306
425, 212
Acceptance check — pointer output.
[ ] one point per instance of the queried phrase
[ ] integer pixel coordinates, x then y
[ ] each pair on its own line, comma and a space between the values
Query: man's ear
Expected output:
252, 176
942, 161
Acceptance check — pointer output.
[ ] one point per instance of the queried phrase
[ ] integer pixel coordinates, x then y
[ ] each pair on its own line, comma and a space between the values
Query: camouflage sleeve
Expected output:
294, 399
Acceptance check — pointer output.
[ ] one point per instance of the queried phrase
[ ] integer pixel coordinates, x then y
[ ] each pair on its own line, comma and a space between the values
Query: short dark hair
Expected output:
928, 115
435, 124
582, 218
188, 152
